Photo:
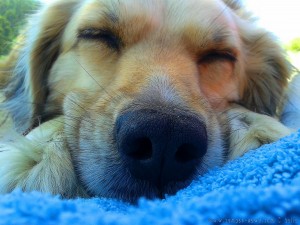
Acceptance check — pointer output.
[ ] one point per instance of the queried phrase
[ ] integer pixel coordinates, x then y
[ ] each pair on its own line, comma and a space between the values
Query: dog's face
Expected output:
142, 84
153, 75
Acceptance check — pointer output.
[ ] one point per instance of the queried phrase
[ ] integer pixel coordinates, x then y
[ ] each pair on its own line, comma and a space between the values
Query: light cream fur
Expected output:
250, 130
40, 161
70, 90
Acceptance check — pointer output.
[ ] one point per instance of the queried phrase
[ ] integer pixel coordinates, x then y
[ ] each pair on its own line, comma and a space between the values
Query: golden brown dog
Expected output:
135, 98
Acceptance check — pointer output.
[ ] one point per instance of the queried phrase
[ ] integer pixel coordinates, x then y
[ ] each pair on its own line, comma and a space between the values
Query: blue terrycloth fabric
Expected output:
262, 187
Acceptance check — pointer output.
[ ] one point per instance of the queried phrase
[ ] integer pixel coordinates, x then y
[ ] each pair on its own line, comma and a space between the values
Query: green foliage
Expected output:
13, 15
294, 45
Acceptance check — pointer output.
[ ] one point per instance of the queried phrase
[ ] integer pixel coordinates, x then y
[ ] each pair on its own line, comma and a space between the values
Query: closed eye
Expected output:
104, 35
213, 56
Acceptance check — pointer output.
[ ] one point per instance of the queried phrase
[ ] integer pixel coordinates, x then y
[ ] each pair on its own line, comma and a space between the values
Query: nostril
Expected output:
187, 153
159, 148
140, 149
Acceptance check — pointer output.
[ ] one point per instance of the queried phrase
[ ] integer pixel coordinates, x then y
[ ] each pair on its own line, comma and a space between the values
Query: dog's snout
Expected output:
161, 147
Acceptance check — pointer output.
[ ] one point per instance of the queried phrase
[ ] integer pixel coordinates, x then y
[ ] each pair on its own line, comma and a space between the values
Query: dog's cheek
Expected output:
74, 108
218, 83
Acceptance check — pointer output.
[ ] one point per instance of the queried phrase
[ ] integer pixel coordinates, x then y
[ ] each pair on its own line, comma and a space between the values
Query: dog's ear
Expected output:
25, 86
267, 71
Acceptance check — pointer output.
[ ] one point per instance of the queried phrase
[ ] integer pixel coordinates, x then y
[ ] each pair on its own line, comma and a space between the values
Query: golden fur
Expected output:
82, 63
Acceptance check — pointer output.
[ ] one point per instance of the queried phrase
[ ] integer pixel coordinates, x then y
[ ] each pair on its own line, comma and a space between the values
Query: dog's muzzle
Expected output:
161, 146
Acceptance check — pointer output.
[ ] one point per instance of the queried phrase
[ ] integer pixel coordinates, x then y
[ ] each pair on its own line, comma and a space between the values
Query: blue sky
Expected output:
279, 16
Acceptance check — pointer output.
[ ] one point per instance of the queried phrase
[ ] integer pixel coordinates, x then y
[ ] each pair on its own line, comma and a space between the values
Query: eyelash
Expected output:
218, 56
114, 42
104, 35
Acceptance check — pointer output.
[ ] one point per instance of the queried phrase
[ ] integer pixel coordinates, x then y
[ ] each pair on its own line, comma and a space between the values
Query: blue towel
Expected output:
262, 187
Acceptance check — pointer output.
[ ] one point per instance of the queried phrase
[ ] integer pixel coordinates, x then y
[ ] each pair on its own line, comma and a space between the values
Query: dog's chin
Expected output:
123, 186
138, 189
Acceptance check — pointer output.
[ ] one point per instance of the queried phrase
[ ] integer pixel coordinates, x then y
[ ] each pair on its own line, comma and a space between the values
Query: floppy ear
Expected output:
267, 72
266, 68
26, 90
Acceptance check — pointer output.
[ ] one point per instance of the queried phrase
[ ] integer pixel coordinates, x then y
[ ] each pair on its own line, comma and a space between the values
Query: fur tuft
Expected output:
39, 161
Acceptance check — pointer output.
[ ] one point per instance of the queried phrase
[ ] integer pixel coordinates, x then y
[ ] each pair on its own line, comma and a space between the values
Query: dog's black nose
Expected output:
161, 147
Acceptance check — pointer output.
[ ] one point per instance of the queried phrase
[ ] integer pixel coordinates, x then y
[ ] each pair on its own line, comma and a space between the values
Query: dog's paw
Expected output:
250, 130
40, 161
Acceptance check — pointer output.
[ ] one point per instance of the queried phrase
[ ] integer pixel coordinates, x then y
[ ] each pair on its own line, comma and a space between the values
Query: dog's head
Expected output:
141, 84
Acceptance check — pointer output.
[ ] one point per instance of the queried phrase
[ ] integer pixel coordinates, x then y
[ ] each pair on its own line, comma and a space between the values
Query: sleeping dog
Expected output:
134, 98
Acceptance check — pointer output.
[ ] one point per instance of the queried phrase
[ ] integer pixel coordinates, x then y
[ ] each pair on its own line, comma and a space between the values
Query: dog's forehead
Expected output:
166, 13
206, 20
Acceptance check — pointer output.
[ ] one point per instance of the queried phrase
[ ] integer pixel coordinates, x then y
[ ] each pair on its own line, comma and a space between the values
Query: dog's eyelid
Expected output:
218, 55
104, 35
82, 33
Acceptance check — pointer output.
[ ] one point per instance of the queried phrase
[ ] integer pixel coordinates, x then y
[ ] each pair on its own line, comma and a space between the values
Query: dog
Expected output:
123, 99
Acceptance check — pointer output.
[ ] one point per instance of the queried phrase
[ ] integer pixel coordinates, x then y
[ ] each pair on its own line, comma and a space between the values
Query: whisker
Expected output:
5, 119
72, 100
64, 123
104, 89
